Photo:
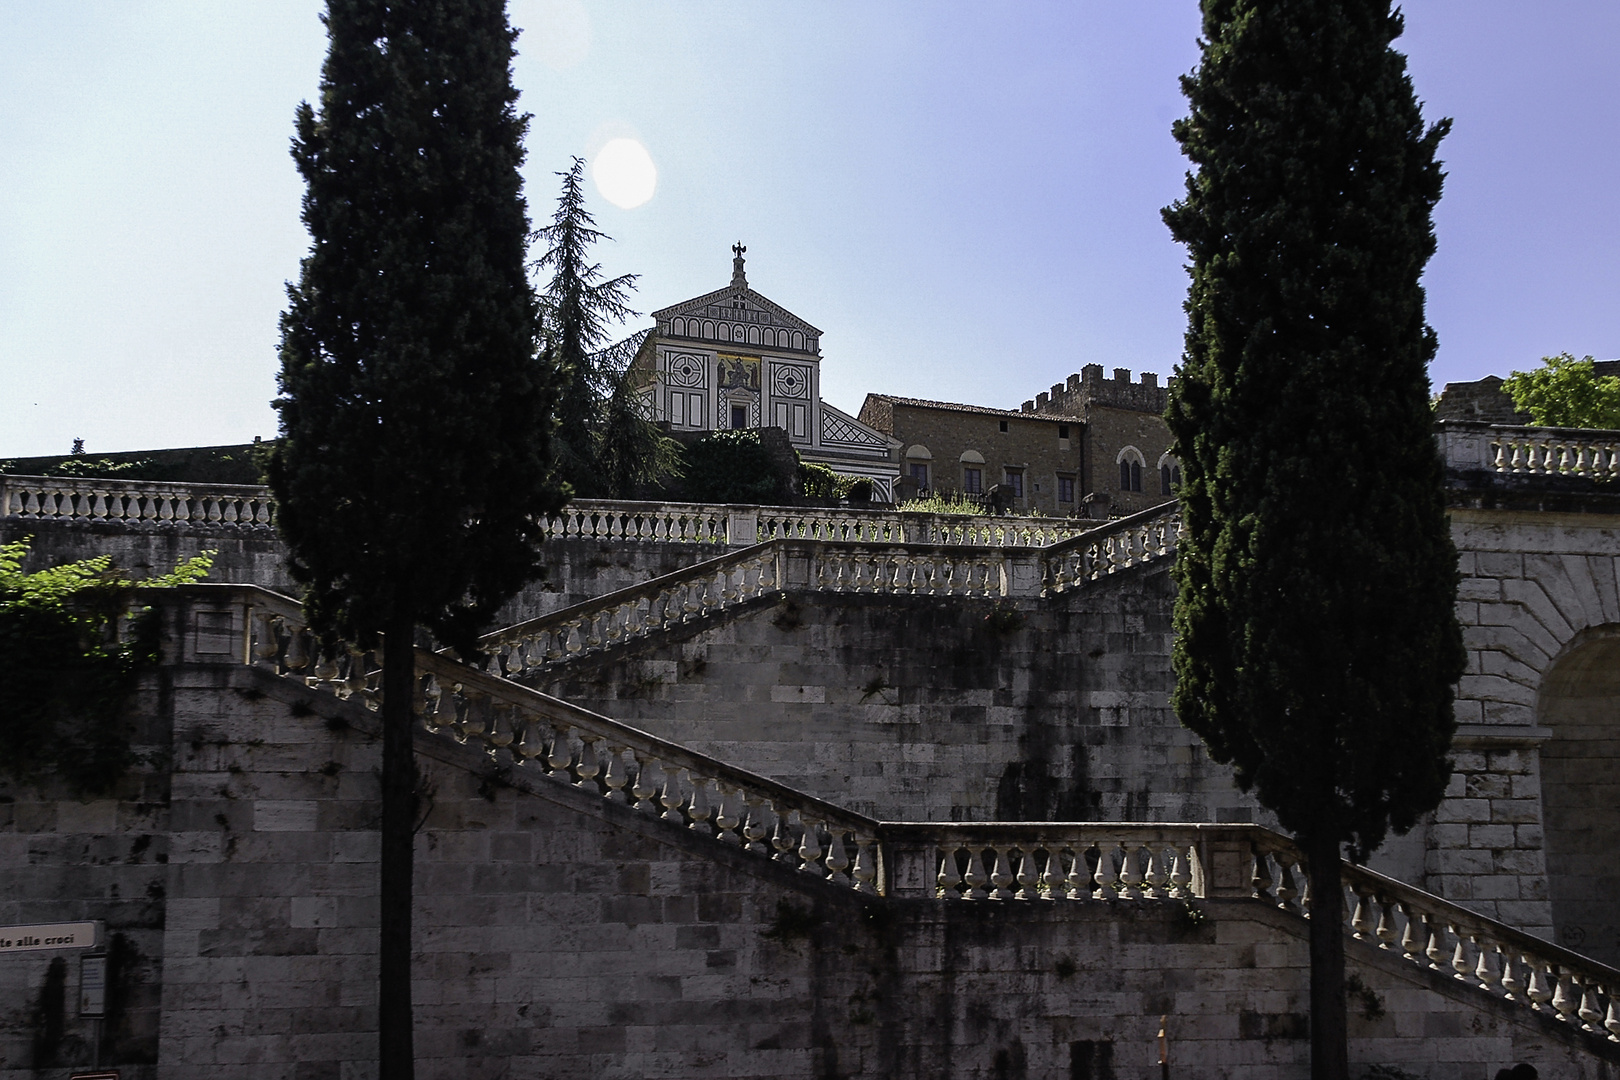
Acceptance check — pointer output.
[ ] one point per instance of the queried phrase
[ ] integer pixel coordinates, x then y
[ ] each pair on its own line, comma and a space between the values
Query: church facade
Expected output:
734, 359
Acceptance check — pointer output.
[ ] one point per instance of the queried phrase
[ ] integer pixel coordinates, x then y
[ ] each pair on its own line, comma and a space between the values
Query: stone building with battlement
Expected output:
1091, 447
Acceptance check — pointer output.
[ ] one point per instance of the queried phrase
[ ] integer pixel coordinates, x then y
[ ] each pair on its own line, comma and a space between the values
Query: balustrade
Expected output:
1533, 451
880, 527
50, 498
1142, 538
634, 522
1096, 862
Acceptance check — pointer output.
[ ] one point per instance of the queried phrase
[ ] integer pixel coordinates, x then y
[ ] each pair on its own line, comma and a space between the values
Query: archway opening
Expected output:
1580, 794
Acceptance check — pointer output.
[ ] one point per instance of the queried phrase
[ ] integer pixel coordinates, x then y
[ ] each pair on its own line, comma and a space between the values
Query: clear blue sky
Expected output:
963, 196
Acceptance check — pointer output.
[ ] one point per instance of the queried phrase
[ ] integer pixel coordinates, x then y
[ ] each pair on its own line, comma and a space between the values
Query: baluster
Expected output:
1486, 971
265, 643
613, 776
475, 719
1029, 882
1001, 877
644, 789
438, 706
837, 860
1052, 875
1436, 950
1460, 961
1412, 938
297, 650
1179, 876
810, 850
975, 878
782, 839
698, 808
356, 682
326, 670
1611, 1019
1155, 877
1566, 999
949, 878
755, 830
865, 872
1537, 989
1078, 880
1286, 889
1385, 931
1260, 876
1512, 984
726, 822
673, 797
499, 735
1104, 875
1130, 874
532, 744
1359, 919
561, 755
1588, 1012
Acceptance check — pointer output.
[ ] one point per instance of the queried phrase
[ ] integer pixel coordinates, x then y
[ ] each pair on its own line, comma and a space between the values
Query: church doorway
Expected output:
1580, 783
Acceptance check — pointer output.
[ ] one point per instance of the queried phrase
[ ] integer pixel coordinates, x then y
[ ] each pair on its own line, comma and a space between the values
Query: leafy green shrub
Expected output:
935, 503
819, 482
1566, 392
64, 675
734, 467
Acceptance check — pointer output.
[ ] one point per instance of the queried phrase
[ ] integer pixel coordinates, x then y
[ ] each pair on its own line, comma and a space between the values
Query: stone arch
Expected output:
1130, 462
1579, 708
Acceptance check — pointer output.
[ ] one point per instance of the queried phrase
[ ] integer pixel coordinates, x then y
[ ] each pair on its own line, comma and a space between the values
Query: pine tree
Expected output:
577, 308
632, 452
411, 475
1316, 638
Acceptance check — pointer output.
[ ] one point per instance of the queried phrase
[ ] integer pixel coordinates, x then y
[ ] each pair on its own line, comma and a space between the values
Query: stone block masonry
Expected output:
559, 934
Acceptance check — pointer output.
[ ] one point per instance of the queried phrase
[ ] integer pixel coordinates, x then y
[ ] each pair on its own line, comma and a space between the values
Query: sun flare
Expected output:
624, 173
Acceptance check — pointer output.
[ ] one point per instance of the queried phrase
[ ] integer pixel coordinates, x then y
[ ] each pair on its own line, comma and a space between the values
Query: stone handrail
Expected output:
59, 498
1107, 862
1147, 536
1538, 451
892, 527
70, 498
649, 522
740, 576
548, 737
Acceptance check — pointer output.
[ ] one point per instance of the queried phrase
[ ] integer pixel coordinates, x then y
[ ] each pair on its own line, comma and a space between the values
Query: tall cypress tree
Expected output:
1317, 643
411, 474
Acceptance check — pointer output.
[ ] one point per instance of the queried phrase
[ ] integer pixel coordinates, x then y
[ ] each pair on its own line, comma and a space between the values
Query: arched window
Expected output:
678, 327
1169, 474
1130, 469
798, 340
708, 329
753, 335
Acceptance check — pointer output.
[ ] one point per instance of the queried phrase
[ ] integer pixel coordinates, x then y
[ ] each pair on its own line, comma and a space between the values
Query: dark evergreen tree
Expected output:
412, 473
632, 452
1316, 639
577, 307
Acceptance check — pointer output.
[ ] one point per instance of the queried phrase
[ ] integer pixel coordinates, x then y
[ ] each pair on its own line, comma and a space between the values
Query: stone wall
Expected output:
943, 709
557, 934
576, 569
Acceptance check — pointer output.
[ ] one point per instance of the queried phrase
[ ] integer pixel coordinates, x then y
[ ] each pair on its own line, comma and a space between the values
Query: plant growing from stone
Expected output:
67, 666
412, 474
1316, 642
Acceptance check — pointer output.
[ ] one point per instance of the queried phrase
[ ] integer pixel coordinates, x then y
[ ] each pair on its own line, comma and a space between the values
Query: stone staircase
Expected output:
1038, 863
822, 555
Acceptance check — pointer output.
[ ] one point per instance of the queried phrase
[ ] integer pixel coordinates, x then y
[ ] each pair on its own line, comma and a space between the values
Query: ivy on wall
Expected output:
66, 669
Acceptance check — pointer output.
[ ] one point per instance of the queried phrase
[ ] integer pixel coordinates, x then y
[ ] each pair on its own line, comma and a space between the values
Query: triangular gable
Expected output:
717, 305
838, 428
